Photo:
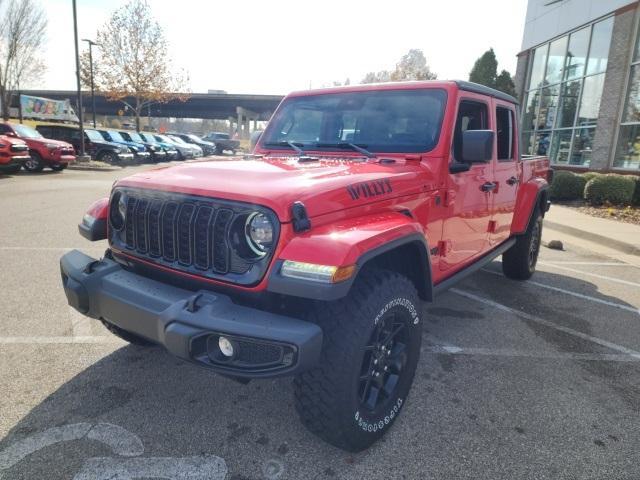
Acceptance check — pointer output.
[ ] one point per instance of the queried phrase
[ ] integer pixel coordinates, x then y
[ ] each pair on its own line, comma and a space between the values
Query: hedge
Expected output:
611, 188
589, 175
567, 186
636, 193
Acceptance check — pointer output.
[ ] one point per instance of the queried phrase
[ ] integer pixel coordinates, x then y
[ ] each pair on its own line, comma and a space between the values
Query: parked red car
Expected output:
13, 154
43, 152
311, 257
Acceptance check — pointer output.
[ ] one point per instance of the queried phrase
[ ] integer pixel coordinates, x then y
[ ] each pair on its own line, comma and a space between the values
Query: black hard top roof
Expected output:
483, 90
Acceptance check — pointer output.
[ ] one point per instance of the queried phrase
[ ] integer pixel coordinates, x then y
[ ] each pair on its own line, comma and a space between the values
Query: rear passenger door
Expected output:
506, 174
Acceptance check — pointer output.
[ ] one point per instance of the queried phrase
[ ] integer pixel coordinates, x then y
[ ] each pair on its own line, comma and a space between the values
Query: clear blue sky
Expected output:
281, 45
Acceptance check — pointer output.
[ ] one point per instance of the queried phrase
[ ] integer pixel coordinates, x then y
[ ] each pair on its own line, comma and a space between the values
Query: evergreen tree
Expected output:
505, 84
485, 70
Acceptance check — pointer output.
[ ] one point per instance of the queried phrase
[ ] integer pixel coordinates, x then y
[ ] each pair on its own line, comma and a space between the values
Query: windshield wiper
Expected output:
352, 146
293, 145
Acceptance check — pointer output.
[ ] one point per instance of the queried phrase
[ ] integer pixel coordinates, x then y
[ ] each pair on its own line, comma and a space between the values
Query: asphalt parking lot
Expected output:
535, 380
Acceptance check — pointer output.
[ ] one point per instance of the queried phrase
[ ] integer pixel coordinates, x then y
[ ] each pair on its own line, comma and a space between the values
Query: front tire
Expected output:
35, 163
519, 262
58, 167
108, 157
369, 356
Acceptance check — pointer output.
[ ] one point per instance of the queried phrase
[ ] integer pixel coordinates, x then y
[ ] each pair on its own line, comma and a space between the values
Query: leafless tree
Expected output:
23, 26
412, 66
131, 64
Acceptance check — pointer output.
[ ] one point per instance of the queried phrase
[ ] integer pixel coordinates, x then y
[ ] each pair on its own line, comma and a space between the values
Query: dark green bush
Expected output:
636, 193
567, 186
611, 188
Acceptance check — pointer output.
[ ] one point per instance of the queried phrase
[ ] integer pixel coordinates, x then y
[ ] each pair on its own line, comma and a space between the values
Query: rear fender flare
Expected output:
531, 196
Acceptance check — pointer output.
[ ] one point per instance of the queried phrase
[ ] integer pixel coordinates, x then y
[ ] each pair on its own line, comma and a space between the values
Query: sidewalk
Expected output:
620, 236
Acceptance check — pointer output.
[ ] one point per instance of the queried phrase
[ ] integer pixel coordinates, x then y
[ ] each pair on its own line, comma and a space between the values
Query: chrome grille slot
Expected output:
201, 237
184, 232
154, 217
167, 231
220, 243
130, 223
140, 221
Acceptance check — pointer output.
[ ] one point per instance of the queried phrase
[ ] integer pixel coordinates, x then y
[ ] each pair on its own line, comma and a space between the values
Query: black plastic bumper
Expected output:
188, 323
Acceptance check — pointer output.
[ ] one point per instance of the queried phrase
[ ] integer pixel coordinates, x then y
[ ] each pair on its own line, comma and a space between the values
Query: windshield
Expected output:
162, 138
148, 138
177, 140
26, 132
221, 136
194, 137
115, 136
382, 120
135, 137
94, 135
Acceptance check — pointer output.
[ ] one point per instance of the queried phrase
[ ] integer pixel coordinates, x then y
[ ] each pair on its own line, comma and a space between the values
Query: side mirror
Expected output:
254, 138
477, 146
10, 134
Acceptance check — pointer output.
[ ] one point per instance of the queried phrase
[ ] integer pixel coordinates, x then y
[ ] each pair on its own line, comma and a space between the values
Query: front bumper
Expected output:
158, 155
7, 163
142, 156
125, 157
188, 323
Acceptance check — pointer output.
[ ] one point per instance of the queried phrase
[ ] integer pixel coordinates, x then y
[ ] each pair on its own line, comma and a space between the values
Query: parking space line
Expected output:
80, 324
546, 323
44, 340
598, 264
596, 275
575, 294
500, 352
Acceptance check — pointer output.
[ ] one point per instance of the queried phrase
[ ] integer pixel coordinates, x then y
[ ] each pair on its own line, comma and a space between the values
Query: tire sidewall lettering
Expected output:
378, 425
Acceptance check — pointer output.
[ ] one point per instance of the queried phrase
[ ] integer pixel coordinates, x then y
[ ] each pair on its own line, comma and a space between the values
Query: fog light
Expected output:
226, 346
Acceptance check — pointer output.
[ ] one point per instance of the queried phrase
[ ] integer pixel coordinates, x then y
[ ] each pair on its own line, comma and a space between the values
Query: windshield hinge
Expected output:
301, 222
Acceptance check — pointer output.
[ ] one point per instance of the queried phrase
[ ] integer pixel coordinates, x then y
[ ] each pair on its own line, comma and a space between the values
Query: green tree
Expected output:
485, 70
505, 84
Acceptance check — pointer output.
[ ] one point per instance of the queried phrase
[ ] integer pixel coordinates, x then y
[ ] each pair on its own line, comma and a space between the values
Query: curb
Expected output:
95, 169
594, 237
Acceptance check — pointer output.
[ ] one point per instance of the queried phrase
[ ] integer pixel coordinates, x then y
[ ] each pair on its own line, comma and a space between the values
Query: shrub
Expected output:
636, 193
589, 175
566, 186
611, 188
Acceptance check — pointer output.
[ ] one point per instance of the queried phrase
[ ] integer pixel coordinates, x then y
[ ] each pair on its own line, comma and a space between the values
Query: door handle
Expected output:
488, 186
513, 181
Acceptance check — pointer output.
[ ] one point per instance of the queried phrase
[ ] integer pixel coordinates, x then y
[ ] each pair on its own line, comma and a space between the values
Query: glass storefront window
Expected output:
570, 94
564, 92
590, 103
537, 66
632, 105
600, 43
577, 53
541, 145
628, 148
548, 107
560, 146
555, 63
582, 146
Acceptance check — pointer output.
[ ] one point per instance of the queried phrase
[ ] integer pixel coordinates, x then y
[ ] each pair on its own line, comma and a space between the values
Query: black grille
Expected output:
188, 233
16, 147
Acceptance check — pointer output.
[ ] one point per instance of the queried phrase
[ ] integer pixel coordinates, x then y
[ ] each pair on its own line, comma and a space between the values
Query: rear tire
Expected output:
58, 167
519, 262
35, 163
132, 338
358, 388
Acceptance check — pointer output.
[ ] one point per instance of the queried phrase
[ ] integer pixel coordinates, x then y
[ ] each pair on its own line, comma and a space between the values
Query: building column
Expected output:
521, 75
613, 95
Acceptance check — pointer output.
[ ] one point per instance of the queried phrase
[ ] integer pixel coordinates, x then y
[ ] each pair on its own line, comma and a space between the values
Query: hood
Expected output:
12, 140
324, 186
49, 141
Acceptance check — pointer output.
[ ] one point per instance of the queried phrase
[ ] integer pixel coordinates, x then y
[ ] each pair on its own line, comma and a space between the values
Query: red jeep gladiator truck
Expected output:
311, 256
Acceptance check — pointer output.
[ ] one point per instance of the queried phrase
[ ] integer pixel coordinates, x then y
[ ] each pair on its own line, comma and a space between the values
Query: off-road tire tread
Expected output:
342, 323
515, 261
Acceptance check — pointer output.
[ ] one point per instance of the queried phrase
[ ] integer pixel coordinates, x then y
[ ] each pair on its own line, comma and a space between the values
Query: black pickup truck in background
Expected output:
223, 142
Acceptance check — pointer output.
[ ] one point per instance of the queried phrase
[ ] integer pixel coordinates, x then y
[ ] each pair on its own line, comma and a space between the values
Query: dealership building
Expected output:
578, 81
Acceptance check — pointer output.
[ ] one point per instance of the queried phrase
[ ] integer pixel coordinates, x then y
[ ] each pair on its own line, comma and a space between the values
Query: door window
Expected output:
505, 131
471, 116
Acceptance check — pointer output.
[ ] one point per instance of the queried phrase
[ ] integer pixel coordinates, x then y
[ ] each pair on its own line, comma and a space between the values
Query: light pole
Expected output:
93, 97
75, 41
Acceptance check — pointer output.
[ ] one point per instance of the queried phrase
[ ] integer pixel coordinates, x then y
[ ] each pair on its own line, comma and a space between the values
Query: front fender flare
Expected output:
349, 242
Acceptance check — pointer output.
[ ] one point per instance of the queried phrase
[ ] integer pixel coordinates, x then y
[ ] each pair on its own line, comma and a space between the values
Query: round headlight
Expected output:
118, 210
259, 233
